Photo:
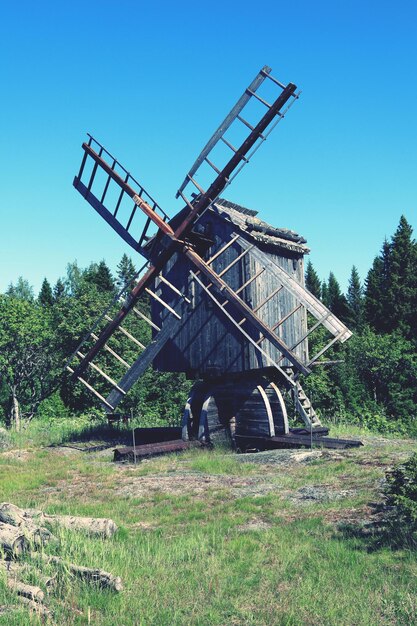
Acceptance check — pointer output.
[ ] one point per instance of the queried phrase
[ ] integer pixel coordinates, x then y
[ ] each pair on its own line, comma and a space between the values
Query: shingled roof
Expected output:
258, 230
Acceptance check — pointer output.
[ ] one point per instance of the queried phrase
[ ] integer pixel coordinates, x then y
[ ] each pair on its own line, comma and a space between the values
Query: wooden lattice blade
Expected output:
313, 305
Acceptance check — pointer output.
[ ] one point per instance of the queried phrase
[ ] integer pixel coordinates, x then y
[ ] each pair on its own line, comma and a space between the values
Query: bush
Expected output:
401, 493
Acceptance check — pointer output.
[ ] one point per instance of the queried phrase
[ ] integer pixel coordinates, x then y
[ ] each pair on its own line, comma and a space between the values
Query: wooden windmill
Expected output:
229, 306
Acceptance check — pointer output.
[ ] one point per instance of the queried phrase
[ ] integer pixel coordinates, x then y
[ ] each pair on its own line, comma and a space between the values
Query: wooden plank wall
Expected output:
207, 342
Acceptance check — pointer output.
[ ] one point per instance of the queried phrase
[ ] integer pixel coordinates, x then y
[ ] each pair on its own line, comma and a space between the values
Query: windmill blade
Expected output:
104, 162
110, 189
258, 133
237, 304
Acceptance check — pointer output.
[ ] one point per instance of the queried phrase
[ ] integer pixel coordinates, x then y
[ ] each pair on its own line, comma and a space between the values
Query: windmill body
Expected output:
228, 302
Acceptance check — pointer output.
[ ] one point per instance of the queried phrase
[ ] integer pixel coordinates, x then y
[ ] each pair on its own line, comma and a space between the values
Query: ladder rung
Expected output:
216, 169
236, 260
96, 393
271, 295
186, 200
248, 282
246, 123
174, 289
195, 183
146, 319
219, 252
132, 215
112, 352
253, 93
106, 186
228, 144
158, 299
127, 333
100, 371
274, 80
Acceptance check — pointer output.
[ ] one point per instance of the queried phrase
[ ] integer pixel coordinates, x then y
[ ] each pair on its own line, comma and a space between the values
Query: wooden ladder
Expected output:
304, 407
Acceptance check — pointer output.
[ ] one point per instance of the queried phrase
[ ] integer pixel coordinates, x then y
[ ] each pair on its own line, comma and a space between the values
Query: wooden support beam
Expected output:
90, 388
281, 321
126, 333
112, 352
268, 298
245, 334
170, 327
158, 299
103, 374
174, 289
145, 318
223, 249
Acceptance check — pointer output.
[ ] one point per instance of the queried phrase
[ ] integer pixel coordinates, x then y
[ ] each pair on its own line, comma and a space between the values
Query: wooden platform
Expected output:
153, 449
294, 440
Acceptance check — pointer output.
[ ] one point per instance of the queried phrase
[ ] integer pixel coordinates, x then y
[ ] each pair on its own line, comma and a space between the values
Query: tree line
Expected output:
376, 380
373, 378
39, 332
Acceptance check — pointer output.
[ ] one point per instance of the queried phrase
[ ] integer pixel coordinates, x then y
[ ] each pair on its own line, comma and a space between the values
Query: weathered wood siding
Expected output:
208, 343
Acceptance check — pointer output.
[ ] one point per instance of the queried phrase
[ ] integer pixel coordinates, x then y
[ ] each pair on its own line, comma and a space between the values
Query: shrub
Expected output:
401, 493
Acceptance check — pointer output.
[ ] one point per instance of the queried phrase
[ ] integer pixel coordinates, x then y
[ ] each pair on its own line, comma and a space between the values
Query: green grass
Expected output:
221, 555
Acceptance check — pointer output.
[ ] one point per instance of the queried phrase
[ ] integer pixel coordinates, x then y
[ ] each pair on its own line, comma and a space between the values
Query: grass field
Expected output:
214, 538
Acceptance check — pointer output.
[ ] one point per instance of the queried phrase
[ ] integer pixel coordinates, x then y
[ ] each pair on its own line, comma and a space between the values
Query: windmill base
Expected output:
221, 410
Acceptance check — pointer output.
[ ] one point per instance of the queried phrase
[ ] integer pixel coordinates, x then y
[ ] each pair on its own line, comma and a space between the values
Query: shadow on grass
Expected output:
386, 530
97, 433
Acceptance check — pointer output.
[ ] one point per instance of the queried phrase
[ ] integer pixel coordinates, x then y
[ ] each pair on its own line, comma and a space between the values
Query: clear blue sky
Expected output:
153, 80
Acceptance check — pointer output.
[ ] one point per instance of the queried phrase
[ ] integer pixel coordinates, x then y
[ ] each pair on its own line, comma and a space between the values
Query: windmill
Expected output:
229, 306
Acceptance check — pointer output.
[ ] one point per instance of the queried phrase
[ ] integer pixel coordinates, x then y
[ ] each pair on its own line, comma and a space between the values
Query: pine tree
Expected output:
59, 290
376, 286
391, 285
125, 273
100, 276
312, 280
104, 279
402, 289
355, 301
45, 297
336, 300
325, 293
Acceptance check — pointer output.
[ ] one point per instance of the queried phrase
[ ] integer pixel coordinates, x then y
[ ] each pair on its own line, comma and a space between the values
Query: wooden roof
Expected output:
258, 230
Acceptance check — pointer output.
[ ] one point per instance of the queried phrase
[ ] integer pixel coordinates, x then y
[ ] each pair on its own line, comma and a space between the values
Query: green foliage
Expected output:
126, 272
391, 285
22, 290
45, 297
355, 300
312, 280
26, 358
401, 492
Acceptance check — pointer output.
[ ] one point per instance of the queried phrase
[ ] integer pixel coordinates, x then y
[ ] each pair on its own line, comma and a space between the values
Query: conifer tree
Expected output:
126, 272
336, 300
45, 297
312, 280
355, 301
100, 276
402, 288
58, 290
